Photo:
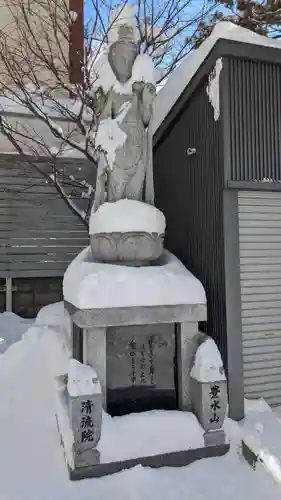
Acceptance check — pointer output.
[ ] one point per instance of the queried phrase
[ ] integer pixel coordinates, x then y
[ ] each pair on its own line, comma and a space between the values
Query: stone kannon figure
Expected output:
128, 105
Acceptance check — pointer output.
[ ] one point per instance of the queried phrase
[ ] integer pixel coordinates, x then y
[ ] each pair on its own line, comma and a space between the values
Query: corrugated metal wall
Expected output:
255, 120
260, 274
31, 294
2, 295
188, 189
39, 234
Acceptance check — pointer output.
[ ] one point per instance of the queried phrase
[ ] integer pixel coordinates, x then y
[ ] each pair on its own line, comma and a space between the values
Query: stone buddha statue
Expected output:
124, 225
126, 111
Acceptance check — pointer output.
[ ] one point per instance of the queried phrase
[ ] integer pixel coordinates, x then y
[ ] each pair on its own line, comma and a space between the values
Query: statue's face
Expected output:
122, 54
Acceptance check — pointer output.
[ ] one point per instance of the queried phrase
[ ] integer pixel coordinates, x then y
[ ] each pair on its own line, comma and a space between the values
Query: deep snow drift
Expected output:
31, 458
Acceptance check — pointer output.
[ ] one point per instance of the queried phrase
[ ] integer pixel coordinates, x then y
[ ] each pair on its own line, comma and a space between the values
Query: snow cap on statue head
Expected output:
124, 18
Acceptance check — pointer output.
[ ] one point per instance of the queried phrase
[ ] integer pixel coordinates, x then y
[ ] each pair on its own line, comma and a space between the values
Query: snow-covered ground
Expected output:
31, 459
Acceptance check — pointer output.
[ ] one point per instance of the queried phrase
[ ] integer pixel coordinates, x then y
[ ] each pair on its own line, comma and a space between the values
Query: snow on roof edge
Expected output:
180, 78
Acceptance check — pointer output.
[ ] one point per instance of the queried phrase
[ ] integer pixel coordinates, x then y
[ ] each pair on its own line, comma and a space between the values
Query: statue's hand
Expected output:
149, 93
150, 87
138, 87
101, 160
148, 96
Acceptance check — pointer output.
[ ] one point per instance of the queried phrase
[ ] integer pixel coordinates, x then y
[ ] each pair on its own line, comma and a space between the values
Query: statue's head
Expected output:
122, 53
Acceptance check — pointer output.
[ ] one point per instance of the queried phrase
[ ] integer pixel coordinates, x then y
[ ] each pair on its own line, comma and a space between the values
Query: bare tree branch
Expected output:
60, 117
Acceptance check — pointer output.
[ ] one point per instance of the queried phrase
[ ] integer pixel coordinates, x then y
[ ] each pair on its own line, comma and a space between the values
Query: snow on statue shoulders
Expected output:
105, 80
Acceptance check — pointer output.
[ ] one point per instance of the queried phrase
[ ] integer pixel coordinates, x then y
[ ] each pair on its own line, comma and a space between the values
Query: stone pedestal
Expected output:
142, 344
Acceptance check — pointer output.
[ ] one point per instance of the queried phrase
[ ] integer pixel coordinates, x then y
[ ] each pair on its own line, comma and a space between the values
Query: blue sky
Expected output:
193, 8
87, 6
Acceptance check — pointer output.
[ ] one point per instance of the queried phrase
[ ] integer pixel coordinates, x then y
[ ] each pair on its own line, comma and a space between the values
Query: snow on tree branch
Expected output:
44, 110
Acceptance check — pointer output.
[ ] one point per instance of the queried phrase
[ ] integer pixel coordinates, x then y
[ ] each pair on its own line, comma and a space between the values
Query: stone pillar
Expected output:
209, 402
94, 354
188, 339
85, 413
79, 415
209, 398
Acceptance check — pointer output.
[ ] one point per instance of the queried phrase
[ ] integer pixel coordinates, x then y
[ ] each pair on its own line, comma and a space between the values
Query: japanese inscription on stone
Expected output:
142, 360
133, 346
86, 421
214, 403
141, 356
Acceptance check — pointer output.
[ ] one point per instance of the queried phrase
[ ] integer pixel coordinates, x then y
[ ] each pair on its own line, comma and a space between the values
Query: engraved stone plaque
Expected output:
140, 368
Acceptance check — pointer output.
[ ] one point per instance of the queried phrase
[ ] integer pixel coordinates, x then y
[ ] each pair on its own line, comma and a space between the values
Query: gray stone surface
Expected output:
209, 402
214, 438
77, 341
87, 458
141, 368
135, 248
85, 413
108, 351
174, 459
141, 355
137, 315
188, 340
94, 354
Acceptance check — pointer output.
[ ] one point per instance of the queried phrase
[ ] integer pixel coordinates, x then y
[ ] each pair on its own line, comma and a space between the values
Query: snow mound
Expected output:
208, 365
88, 284
82, 379
262, 434
12, 328
30, 443
256, 405
127, 216
158, 431
110, 136
53, 315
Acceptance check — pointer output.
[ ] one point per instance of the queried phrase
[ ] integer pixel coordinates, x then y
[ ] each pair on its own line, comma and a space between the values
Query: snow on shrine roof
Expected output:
180, 78
88, 284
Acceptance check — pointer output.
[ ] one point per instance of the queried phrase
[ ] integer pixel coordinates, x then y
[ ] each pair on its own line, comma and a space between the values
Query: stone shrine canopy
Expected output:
180, 78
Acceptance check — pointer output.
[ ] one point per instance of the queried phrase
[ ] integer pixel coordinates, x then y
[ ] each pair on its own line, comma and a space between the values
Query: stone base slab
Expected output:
174, 459
214, 438
137, 315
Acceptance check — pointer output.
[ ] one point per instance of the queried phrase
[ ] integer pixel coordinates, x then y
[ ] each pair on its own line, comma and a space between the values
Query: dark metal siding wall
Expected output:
189, 191
2, 295
255, 120
31, 294
39, 234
